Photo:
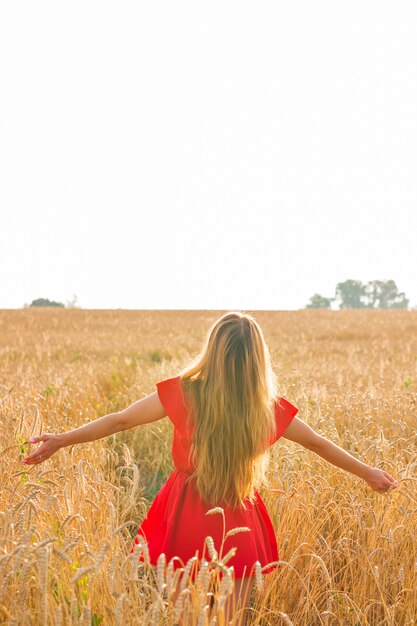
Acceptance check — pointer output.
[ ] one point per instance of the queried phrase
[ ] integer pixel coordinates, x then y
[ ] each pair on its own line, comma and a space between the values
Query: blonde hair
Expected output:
230, 390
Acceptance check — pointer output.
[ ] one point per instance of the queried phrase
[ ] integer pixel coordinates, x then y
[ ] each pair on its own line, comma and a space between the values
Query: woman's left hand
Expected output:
50, 445
380, 480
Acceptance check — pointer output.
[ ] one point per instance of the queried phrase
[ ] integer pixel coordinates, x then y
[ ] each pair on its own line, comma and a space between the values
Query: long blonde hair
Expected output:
230, 391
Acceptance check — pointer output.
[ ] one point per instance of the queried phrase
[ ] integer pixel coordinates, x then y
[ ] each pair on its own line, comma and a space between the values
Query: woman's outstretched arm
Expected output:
300, 432
148, 409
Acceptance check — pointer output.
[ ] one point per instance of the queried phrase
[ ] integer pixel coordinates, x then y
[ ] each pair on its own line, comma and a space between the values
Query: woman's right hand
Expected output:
51, 444
380, 480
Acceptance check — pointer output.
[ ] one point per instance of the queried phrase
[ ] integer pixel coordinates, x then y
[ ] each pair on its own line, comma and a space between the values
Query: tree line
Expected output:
349, 294
42, 302
353, 294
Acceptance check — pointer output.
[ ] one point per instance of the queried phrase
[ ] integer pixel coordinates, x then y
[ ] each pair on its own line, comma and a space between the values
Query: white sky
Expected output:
220, 155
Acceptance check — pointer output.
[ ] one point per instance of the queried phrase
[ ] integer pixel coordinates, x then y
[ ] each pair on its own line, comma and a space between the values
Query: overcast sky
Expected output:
221, 155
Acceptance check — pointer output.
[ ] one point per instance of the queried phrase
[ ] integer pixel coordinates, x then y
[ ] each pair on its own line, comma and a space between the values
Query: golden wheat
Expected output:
346, 554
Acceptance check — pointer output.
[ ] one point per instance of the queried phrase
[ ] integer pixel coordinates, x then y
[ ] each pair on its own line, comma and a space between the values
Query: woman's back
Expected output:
172, 397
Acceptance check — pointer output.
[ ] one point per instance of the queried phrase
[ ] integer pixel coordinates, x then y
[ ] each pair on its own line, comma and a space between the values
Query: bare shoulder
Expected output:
300, 432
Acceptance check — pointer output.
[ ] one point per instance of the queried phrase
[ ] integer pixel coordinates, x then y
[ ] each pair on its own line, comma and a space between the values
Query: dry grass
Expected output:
66, 527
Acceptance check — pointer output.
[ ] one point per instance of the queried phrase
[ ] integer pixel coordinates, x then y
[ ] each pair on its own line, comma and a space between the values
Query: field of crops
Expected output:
349, 554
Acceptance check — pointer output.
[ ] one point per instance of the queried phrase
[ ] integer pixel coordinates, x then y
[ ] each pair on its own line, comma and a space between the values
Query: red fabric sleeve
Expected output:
284, 414
168, 395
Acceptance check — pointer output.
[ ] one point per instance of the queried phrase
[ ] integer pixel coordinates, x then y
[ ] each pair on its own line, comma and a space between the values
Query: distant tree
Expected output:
385, 295
377, 294
45, 302
351, 294
319, 302
73, 304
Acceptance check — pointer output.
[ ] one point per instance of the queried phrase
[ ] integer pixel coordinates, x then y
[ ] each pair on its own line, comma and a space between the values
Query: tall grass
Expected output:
348, 554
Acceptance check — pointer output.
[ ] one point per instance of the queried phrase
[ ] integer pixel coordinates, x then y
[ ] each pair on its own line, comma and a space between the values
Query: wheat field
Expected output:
349, 554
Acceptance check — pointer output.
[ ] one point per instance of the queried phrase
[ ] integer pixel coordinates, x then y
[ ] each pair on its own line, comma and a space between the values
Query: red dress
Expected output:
177, 524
